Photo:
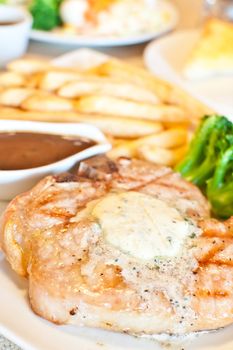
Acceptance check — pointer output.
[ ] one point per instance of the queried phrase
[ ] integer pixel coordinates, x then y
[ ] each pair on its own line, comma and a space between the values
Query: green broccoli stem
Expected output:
196, 151
202, 173
221, 169
220, 188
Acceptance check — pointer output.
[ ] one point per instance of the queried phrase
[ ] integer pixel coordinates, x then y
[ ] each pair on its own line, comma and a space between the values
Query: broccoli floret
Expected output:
220, 186
212, 139
45, 14
209, 163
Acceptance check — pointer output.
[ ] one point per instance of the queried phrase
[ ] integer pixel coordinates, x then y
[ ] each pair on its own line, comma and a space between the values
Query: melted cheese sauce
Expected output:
140, 225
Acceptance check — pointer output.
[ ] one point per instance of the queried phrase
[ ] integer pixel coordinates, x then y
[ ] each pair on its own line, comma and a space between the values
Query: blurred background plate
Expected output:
97, 41
166, 57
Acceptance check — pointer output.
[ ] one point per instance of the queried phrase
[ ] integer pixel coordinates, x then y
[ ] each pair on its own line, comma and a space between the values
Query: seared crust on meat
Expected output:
76, 278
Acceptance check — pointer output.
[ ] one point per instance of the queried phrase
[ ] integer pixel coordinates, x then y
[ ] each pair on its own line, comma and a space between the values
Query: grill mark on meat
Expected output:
214, 294
67, 177
97, 168
211, 253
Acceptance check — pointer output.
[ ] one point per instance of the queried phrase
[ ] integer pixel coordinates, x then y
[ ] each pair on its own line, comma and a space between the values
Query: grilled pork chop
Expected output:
127, 246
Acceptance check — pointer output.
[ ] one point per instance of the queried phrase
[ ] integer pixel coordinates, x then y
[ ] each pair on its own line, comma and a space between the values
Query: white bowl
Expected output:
14, 35
13, 182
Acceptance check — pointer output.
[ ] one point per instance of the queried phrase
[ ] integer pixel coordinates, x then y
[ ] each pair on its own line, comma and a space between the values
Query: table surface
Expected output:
190, 17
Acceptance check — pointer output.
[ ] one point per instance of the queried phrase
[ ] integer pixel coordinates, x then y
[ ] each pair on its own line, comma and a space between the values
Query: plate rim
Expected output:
92, 41
173, 77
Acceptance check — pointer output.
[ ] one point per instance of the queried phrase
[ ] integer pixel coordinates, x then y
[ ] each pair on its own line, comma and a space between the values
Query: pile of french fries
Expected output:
141, 115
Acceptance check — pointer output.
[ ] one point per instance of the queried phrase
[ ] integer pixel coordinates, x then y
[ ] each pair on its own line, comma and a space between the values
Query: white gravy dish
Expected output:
15, 25
13, 182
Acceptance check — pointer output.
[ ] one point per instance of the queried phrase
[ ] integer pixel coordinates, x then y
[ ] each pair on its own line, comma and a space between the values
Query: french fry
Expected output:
33, 80
46, 103
111, 126
166, 92
116, 141
163, 156
28, 66
12, 79
171, 138
13, 97
128, 109
134, 74
55, 79
108, 87
174, 138
124, 149
20, 114
129, 128
172, 125
194, 108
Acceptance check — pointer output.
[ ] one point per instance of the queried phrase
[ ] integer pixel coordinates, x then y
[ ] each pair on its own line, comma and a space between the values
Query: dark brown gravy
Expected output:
25, 150
9, 23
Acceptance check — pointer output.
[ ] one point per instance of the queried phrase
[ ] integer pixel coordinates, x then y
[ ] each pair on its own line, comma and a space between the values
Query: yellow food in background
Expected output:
213, 52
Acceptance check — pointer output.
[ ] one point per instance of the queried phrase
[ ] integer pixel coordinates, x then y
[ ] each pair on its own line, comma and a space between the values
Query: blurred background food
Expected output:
98, 17
212, 55
219, 8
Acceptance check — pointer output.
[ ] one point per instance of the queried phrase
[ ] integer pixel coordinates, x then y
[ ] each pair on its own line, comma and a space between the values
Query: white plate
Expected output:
97, 41
166, 57
19, 324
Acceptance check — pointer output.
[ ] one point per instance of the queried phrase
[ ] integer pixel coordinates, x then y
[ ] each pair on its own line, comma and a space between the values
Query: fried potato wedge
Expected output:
124, 149
166, 92
46, 103
14, 97
109, 87
194, 108
12, 79
20, 114
133, 74
28, 66
33, 81
128, 128
154, 154
166, 139
128, 109
55, 79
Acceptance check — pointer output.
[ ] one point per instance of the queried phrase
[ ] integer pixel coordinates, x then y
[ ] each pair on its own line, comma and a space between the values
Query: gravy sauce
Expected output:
9, 23
25, 150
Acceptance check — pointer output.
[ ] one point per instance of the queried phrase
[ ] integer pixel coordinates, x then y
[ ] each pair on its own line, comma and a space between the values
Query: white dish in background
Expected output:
110, 41
14, 35
13, 182
166, 57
